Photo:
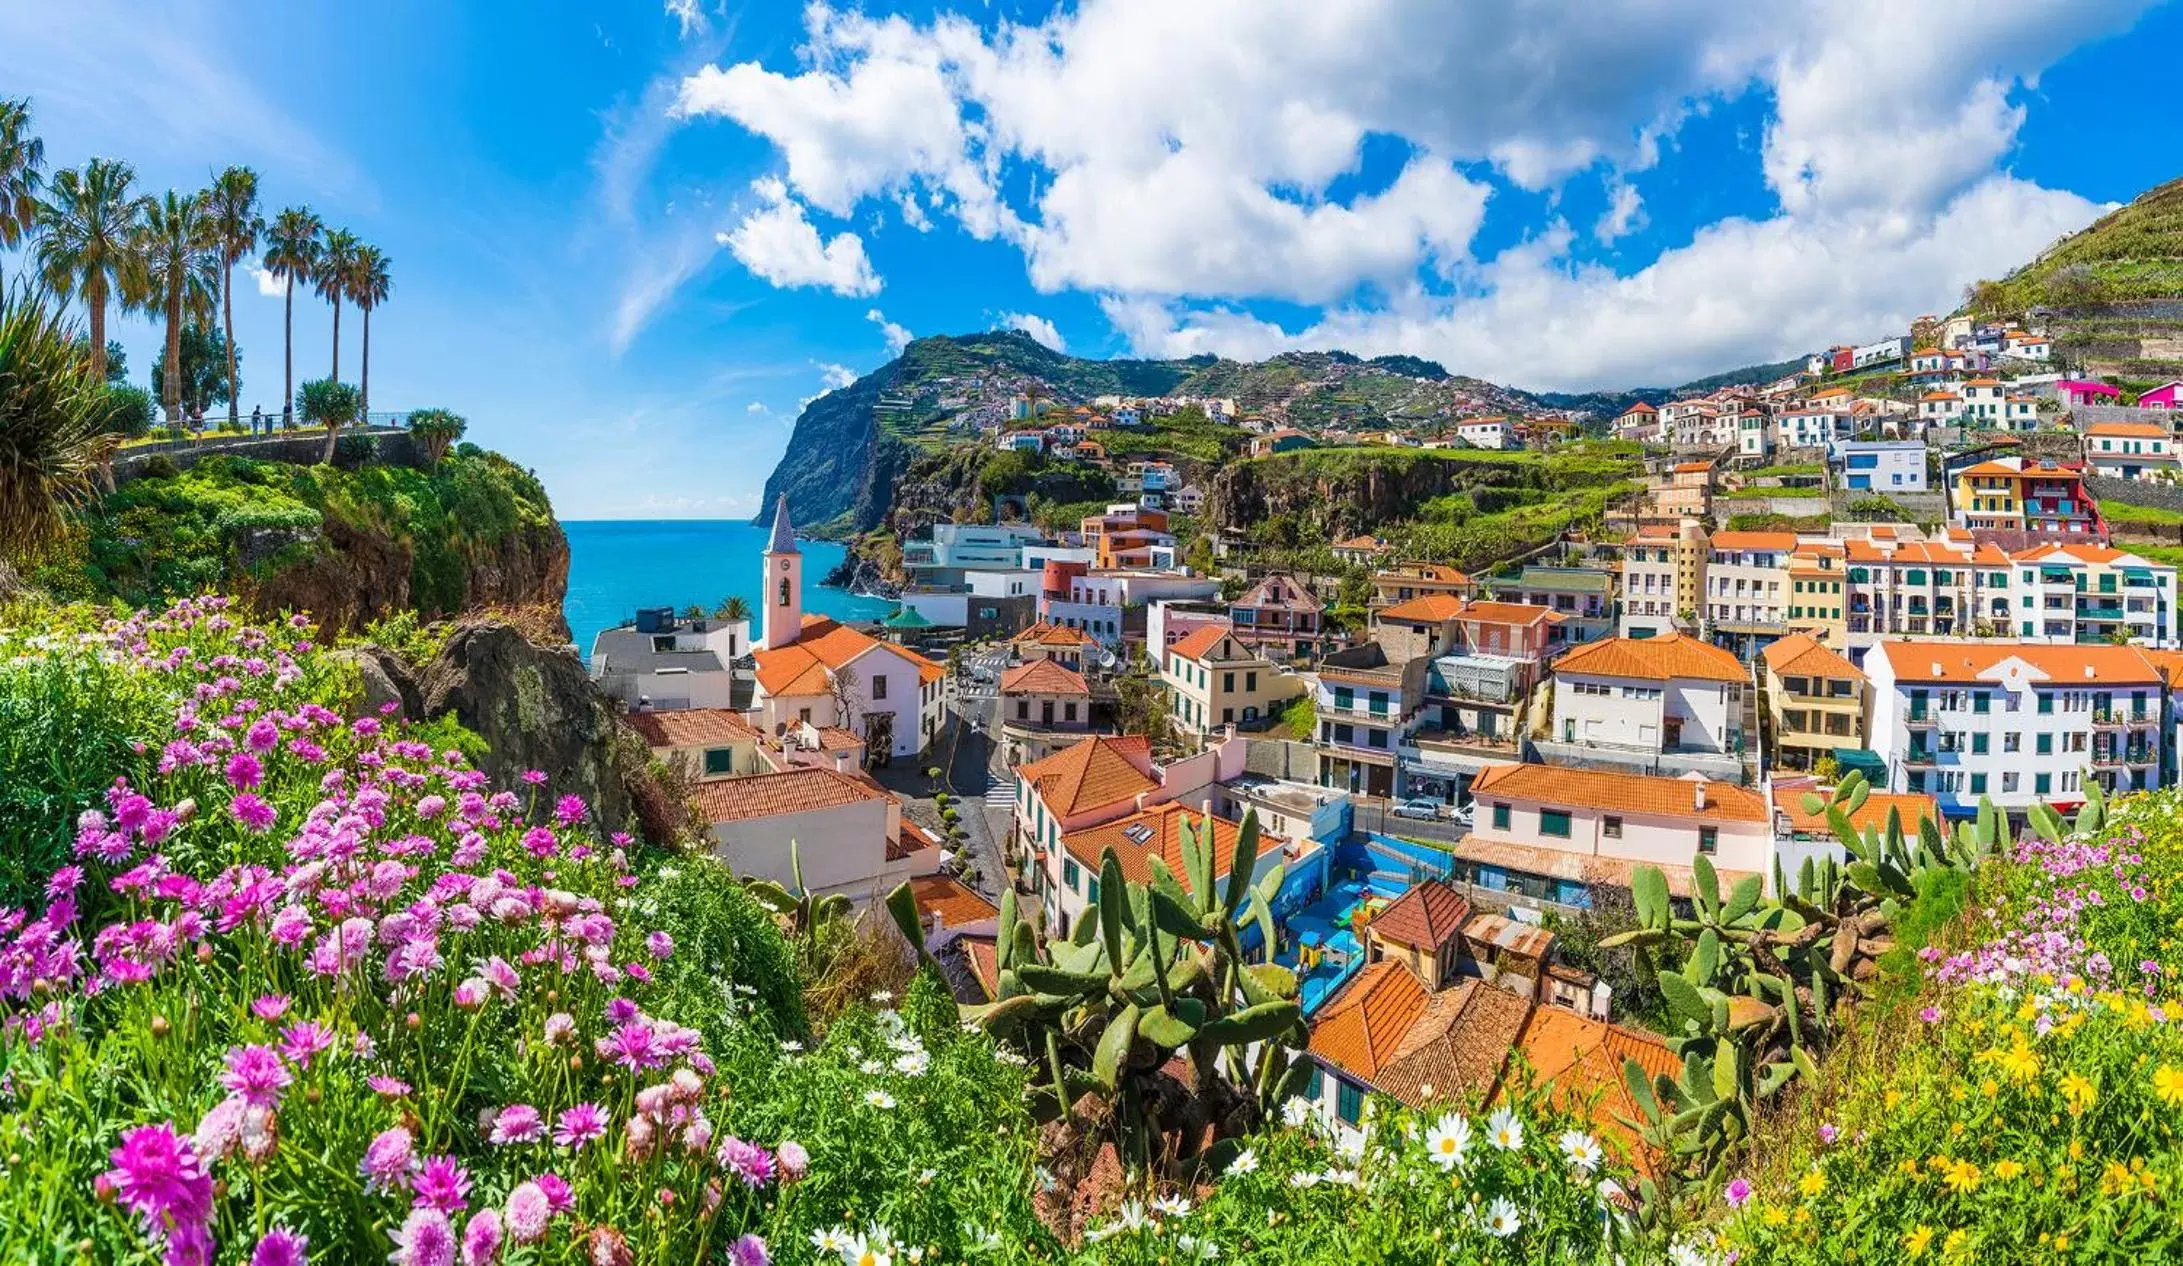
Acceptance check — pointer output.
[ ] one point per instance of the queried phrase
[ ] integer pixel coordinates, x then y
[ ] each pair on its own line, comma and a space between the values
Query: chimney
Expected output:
1697, 794
2088, 672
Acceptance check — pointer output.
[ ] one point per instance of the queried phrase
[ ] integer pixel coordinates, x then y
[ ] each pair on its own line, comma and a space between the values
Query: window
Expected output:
1978, 744
1068, 712
1069, 874
1500, 817
1554, 822
1250, 680
1091, 890
1318, 1082
1376, 738
1023, 709
2046, 744
1348, 1102
1981, 702
2042, 784
804, 715
879, 685
1611, 827
2046, 701
1709, 840
1228, 681
1978, 784
719, 760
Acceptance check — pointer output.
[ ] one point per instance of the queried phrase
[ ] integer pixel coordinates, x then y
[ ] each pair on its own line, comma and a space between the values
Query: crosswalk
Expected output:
990, 666
1001, 794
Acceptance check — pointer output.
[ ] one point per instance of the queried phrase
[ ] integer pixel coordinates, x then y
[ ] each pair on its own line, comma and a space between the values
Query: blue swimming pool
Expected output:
1321, 944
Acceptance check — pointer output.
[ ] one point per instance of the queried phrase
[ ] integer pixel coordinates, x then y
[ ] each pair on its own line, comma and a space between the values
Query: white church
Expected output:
815, 670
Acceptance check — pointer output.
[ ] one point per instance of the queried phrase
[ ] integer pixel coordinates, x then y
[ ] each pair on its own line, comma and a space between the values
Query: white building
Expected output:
662, 661
1880, 353
2129, 450
1487, 433
957, 548
1670, 693
2017, 722
1814, 428
1882, 465
848, 833
1988, 406
1097, 600
1746, 579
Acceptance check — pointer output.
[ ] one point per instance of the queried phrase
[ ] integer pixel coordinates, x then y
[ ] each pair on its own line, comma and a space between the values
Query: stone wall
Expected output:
392, 447
2136, 492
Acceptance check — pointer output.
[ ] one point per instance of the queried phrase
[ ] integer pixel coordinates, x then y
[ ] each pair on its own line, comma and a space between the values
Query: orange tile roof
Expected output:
2084, 552
1102, 770
824, 646
1940, 395
1455, 1051
1361, 1028
954, 901
1579, 1060
1983, 382
1522, 613
1428, 916
1628, 793
1802, 655
778, 795
1639, 407
1783, 541
1042, 677
1194, 644
692, 727
1692, 468
2129, 430
1873, 812
1669, 657
1966, 662
1427, 608
1362, 543
1164, 823
1045, 634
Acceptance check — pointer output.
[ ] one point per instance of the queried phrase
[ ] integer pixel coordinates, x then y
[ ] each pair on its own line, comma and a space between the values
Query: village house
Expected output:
1279, 616
1670, 694
701, 743
1044, 706
1816, 699
662, 661
1367, 707
1216, 680
847, 832
2130, 450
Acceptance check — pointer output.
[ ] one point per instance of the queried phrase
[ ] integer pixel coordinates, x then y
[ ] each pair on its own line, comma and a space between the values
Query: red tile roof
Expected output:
1157, 829
1966, 662
1428, 916
1626, 793
1669, 657
954, 901
1802, 655
1361, 1028
823, 646
778, 795
1042, 677
1580, 1061
692, 727
1044, 634
1194, 644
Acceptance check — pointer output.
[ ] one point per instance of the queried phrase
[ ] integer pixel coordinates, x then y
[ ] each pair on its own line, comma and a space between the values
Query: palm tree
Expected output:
87, 244
291, 254
732, 608
435, 430
22, 166
336, 262
54, 434
330, 403
368, 287
236, 224
182, 257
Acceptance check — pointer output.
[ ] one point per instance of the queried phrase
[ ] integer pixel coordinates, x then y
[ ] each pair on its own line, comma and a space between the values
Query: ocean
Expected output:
616, 566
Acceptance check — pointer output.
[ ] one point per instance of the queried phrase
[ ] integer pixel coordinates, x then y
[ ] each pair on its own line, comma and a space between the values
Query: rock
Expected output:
388, 678
537, 709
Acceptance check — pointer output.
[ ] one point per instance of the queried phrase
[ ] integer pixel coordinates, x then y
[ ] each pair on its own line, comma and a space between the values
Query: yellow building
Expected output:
1214, 680
1817, 699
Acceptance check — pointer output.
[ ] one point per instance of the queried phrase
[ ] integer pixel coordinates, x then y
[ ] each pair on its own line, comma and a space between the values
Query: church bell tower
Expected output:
781, 588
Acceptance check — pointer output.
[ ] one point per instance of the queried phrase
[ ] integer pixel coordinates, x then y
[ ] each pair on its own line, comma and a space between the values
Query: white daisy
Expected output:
912, 1064
1501, 1219
792, 1047
1192, 1246
986, 1241
1351, 1146
832, 1239
883, 996
1246, 1162
860, 1251
1582, 1149
1342, 1177
1295, 1112
871, 1068
1504, 1131
1171, 1207
1306, 1179
879, 1098
1449, 1138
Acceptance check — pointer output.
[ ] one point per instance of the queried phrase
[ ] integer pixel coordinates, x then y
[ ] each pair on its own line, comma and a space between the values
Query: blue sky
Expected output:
630, 240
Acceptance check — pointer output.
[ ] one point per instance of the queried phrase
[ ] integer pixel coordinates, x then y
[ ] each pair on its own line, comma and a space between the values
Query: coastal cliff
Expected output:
350, 546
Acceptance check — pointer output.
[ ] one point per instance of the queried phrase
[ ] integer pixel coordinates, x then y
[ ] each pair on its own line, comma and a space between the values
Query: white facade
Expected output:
971, 547
1748, 583
1883, 466
1492, 433
1880, 353
1628, 818
1679, 714
842, 848
2129, 450
1814, 428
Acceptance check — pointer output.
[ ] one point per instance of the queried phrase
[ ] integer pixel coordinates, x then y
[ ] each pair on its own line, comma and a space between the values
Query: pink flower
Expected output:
281, 1247
431, 807
263, 736
301, 1043
560, 1027
540, 843
481, 1238
426, 1239
1827, 1135
570, 810
579, 1125
253, 812
631, 1046
269, 1007
534, 777
387, 1087
517, 1123
1739, 1190
157, 1176
1931, 1015
749, 1250
441, 1183
388, 1159
747, 1161
257, 1074
659, 944
558, 1196
244, 771
528, 1213
219, 1129
795, 1162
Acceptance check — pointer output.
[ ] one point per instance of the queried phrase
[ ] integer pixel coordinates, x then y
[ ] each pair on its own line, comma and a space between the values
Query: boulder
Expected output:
387, 678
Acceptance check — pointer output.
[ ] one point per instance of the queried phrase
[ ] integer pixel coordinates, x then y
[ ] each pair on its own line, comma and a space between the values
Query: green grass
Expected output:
2125, 512
1789, 470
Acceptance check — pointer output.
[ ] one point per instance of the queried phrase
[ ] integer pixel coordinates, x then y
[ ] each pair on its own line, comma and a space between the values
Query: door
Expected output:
1046, 713
1671, 733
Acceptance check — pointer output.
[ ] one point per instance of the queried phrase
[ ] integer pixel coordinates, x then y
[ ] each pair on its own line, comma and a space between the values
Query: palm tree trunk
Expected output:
227, 324
333, 429
173, 393
337, 341
288, 351
363, 406
94, 298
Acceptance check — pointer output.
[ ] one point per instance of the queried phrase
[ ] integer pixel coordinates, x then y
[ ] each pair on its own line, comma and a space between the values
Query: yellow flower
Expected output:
2007, 1169
1989, 1087
1917, 1238
2018, 1063
1773, 1216
1894, 1098
1955, 1242
1812, 1183
2168, 1084
2080, 1093
1962, 1177
2076, 1149
1910, 1166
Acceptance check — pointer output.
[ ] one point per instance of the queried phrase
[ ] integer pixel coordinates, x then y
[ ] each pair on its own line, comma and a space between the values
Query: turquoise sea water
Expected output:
616, 566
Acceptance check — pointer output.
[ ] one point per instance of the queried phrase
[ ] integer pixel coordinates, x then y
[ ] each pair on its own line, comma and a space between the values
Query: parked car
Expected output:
1418, 808
1463, 814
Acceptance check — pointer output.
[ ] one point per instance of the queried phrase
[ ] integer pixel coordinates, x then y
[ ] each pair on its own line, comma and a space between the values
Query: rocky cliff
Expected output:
1343, 492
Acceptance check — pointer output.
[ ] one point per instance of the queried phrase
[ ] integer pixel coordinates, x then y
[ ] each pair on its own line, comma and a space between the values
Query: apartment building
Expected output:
1281, 616
1649, 595
1582, 596
1044, 707
956, 549
2016, 722
1747, 587
1667, 694
1405, 581
2081, 592
1127, 536
1136, 838
2130, 450
1883, 465
2026, 495
1988, 406
1367, 707
1686, 492
1546, 834
1815, 698
1216, 679
1817, 603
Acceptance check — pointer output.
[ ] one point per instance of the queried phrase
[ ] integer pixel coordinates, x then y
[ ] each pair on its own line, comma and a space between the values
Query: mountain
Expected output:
852, 445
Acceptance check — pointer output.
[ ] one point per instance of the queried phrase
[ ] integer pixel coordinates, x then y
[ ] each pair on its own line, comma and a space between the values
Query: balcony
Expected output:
2110, 758
1921, 717
1920, 757
1383, 714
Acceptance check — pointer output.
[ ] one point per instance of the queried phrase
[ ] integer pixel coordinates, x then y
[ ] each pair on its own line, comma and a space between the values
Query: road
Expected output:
970, 776
1372, 815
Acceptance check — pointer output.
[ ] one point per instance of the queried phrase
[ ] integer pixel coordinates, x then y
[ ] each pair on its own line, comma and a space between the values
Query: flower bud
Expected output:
160, 1027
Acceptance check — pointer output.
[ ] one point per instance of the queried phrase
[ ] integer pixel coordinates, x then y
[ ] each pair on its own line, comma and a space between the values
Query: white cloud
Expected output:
1180, 160
1038, 327
897, 336
754, 407
269, 285
1625, 212
778, 244
835, 377
688, 15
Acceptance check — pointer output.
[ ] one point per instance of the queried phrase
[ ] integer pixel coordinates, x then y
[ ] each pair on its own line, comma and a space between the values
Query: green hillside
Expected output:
2134, 252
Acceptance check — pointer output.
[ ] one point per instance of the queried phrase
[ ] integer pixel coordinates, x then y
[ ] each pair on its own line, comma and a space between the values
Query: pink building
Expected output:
2085, 391
2168, 395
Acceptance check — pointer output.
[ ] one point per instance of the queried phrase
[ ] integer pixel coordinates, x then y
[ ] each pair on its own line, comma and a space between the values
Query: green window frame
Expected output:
2045, 745
2046, 701
1981, 703
1348, 1102
1500, 817
719, 760
1978, 744
2042, 784
1070, 873
1978, 784
1554, 822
